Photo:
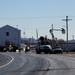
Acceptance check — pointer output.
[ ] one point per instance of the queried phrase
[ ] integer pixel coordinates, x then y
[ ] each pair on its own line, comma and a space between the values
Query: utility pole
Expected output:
37, 34
52, 37
73, 37
67, 30
66, 27
52, 31
32, 40
24, 33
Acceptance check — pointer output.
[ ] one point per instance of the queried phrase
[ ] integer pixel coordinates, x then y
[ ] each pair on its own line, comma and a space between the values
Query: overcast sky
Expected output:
30, 15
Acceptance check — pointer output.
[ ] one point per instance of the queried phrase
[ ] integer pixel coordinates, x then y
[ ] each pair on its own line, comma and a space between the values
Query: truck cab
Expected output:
43, 46
8, 47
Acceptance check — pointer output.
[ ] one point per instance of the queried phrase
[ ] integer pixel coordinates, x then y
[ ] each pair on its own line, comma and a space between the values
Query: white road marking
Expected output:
49, 67
7, 63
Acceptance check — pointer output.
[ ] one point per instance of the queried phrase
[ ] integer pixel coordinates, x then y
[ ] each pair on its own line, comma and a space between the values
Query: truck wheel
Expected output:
46, 52
61, 52
50, 52
38, 52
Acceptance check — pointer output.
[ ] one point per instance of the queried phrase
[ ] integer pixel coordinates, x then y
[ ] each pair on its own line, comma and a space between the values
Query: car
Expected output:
57, 49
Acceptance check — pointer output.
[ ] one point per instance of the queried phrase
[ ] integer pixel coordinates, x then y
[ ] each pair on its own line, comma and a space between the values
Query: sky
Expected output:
29, 15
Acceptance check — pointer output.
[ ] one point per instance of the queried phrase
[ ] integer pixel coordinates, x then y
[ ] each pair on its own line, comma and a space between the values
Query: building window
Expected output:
7, 33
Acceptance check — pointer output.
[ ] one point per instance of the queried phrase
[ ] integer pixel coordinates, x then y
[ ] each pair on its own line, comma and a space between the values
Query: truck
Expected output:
43, 45
10, 37
9, 47
55, 48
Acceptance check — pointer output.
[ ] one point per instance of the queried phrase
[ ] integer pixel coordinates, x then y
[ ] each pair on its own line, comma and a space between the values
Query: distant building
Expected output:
70, 46
10, 34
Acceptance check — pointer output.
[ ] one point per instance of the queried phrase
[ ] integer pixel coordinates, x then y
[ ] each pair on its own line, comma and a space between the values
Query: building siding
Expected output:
14, 35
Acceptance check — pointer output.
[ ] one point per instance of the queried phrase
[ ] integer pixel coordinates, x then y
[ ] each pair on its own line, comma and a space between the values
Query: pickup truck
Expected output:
46, 48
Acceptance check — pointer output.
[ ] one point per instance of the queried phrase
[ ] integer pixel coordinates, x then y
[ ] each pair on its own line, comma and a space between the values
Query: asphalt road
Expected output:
38, 64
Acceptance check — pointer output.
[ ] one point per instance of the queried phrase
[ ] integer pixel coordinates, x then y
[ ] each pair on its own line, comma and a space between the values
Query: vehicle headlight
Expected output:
28, 47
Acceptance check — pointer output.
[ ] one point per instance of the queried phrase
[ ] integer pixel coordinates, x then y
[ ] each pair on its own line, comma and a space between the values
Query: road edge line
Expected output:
8, 62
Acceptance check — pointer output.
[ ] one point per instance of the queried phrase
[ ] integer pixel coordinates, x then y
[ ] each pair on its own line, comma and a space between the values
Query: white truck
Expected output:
57, 48
43, 45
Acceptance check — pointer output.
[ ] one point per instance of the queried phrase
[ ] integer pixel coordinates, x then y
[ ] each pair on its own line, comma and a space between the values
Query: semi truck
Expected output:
43, 45
9, 46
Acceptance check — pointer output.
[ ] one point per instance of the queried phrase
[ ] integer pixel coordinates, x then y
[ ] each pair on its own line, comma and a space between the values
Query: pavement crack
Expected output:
63, 69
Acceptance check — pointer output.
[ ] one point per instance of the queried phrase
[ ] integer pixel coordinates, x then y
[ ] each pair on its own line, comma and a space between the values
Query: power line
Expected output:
45, 17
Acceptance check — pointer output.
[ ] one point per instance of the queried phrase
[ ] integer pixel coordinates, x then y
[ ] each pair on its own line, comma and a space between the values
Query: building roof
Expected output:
10, 27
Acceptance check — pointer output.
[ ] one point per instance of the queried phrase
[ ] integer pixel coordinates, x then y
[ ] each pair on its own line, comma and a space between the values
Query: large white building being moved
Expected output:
10, 34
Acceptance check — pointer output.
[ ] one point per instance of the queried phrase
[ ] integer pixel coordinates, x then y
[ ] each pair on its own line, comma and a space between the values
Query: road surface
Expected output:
37, 64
